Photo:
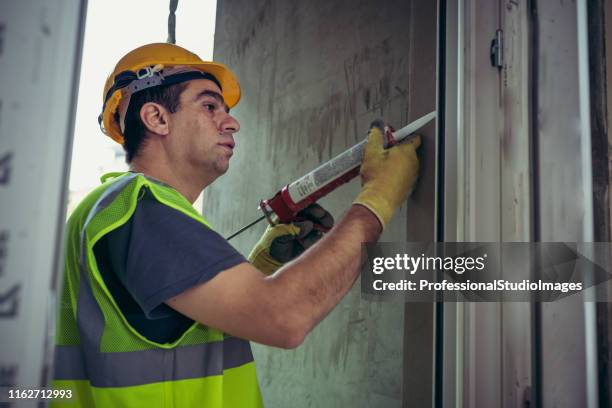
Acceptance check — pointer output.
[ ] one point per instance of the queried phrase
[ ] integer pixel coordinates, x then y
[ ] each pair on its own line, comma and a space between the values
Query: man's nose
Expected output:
229, 124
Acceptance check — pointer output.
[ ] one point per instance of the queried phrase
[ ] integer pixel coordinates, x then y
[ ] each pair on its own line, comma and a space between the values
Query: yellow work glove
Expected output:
387, 175
283, 242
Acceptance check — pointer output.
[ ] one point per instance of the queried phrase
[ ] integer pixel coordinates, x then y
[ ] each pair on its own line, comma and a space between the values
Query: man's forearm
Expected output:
315, 282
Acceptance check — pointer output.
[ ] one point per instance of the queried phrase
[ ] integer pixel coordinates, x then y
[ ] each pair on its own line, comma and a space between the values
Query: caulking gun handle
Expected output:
278, 209
281, 209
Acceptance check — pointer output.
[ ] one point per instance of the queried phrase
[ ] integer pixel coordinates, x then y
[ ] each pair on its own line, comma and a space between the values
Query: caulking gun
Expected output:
294, 197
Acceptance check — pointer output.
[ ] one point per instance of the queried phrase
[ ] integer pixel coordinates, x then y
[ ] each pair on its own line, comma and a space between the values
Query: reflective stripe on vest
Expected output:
156, 363
148, 366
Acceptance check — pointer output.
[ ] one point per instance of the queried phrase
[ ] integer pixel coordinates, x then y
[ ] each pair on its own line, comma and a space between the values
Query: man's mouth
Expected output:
228, 145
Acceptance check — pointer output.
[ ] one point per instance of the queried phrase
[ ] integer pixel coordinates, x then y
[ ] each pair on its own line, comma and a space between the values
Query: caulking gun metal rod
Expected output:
245, 227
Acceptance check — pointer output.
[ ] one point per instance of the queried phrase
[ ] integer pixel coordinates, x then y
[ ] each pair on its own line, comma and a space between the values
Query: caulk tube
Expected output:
327, 177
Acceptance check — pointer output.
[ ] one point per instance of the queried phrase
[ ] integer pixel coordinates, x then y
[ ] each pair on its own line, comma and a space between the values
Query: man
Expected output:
157, 309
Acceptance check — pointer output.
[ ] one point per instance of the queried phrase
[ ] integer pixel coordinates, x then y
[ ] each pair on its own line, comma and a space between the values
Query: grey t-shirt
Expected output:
158, 254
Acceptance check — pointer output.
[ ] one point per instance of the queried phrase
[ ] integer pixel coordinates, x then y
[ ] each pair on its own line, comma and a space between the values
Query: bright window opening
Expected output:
113, 28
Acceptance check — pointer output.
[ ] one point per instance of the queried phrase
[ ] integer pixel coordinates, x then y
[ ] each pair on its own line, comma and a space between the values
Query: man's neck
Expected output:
189, 186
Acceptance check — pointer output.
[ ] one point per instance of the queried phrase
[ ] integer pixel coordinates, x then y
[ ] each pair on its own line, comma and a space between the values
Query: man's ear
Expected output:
155, 118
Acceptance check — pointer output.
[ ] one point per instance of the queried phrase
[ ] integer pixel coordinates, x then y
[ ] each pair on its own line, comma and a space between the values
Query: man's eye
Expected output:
210, 107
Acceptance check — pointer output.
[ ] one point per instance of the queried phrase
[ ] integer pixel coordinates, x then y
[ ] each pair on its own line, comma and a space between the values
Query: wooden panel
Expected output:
515, 191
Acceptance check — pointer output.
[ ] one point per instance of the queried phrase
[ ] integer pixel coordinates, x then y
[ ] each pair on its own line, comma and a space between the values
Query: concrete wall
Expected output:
314, 75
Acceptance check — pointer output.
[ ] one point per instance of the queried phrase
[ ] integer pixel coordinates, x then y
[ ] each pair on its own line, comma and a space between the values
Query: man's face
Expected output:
202, 129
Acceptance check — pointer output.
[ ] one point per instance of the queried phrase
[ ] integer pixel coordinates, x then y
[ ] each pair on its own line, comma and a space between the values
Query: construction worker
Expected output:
157, 309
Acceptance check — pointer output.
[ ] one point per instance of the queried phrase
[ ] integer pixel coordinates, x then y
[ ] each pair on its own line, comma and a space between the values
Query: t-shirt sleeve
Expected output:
168, 253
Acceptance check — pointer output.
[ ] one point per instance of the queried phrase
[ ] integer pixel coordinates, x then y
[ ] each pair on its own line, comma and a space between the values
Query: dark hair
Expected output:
134, 134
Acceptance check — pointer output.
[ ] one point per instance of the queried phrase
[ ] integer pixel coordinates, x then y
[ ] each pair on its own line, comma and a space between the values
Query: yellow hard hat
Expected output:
153, 65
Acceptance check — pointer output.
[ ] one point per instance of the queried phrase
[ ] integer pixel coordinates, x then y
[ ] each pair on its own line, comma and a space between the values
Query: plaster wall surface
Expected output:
314, 75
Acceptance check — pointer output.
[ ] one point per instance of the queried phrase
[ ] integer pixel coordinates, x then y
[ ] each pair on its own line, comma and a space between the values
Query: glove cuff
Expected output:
378, 207
260, 256
262, 260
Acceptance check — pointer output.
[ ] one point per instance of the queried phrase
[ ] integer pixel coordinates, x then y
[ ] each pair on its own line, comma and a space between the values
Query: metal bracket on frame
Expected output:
497, 49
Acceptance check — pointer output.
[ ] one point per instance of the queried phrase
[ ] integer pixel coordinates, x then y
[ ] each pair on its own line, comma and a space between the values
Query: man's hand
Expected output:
387, 175
284, 242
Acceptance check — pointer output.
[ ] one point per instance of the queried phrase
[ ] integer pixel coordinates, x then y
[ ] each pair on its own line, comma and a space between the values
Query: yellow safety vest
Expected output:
103, 360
